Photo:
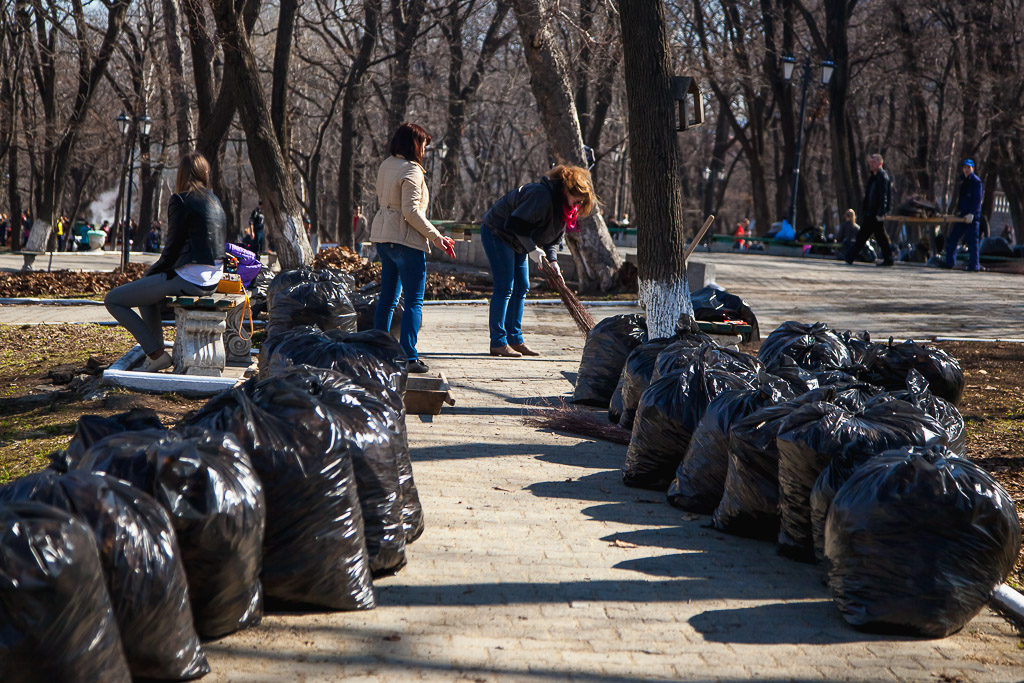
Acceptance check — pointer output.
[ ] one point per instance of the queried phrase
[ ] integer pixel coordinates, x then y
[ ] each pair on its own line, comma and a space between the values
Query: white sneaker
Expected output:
161, 362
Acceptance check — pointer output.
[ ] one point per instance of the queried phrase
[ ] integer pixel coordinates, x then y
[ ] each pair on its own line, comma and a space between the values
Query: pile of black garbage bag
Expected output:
840, 450
294, 489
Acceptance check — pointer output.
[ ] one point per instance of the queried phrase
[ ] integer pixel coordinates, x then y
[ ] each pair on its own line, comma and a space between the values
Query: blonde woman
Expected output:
403, 236
529, 222
191, 263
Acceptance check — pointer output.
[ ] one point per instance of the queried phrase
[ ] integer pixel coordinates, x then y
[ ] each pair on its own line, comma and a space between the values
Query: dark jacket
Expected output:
530, 216
878, 195
971, 194
195, 232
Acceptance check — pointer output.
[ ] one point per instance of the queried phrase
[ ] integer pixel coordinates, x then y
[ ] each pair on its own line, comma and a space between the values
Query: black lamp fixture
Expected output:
828, 67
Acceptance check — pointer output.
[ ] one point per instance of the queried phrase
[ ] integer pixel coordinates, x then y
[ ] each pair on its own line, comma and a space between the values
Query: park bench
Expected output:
207, 333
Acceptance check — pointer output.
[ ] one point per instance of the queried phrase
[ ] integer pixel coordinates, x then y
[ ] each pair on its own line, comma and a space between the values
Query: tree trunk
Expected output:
58, 157
282, 57
273, 180
346, 171
597, 260
406, 16
184, 120
845, 177
655, 165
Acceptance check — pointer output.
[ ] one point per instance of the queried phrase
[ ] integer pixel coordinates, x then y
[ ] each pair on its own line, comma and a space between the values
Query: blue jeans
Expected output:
511, 275
402, 268
969, 233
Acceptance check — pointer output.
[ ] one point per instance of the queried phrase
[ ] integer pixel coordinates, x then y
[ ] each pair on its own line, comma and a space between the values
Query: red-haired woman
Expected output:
529, 221
403, 236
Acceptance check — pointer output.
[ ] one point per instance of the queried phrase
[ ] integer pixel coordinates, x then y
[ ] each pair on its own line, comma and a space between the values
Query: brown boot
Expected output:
524, 349
505, 352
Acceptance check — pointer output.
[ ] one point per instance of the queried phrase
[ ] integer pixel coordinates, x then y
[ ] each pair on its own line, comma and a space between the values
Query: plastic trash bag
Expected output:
366, 309
92, 428
56, 620
888, 364
368, 428
615, 406
995, 246
139, 556
786, 233
668, 414
714, 304
678, 354
918, 395
700, 478
206, 482
324, 304
800, 380
290, 278
813, 346
750, 499
859, 343
636, 376
371, 359
314, 550
917, 541
608, 345
881, 426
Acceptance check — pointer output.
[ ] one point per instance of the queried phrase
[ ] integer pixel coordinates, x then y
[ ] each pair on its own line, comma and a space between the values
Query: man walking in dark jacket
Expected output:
968, 208
877, 200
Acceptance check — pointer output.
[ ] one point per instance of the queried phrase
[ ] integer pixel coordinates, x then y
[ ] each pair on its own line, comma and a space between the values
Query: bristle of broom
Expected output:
580, 315
584, 423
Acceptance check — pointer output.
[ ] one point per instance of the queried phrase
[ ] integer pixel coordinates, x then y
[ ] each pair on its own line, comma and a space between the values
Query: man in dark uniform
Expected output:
877, 200
969, 208
256, 220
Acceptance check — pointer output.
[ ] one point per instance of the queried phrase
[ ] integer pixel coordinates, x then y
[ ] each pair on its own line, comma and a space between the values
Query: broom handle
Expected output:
699, 237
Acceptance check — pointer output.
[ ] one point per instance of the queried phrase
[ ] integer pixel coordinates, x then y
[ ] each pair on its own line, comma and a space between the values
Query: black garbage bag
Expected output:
56, 620
314, 550
366, 308
92, 428
206, 482
678, 354
714, 304
139, 556
636, 376
750, 499
700, 478
854, 396
324, 304
882, 425
918, 394
800, 380
888, 364
290, 278
369, 430
917, 541
608, 345
615, 405
668, 414
995, 246
813, 346
858, 343
371, 359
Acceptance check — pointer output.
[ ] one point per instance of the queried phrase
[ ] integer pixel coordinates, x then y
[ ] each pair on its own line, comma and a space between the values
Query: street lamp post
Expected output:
788, 64
125, 124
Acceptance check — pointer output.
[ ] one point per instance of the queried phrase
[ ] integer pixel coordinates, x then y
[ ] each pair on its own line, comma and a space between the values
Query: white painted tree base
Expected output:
664, 303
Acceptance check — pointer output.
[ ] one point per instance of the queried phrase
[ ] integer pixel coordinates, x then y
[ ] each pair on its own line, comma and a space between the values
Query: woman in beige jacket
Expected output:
403, 236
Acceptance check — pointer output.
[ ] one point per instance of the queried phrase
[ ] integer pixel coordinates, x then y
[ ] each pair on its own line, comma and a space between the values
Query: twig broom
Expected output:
580, 315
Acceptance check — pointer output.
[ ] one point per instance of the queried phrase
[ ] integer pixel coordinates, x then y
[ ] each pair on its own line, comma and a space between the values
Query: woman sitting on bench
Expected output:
191, 263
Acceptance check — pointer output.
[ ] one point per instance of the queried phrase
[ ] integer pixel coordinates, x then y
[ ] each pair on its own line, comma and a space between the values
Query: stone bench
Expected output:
206, 333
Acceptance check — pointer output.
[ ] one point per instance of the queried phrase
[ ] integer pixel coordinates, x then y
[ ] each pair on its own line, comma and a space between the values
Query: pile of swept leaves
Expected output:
439, 285
62, 284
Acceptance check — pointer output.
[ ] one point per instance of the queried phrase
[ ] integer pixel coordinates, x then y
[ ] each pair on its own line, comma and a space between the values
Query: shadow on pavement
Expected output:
812, 622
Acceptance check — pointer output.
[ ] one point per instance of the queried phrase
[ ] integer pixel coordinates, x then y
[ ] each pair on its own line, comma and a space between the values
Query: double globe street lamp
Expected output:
124, 123
788, 65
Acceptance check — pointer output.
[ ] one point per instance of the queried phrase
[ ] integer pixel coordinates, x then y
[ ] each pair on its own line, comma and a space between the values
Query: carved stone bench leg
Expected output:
237, 346
199, 342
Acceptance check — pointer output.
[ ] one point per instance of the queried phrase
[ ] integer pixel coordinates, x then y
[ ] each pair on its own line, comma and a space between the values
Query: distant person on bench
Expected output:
190, 265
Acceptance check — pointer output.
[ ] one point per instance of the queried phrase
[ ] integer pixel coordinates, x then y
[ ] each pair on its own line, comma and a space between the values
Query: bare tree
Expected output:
270, 168
597, 260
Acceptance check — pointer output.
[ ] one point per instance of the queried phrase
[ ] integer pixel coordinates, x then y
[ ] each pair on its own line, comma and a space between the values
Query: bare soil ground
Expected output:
45, 371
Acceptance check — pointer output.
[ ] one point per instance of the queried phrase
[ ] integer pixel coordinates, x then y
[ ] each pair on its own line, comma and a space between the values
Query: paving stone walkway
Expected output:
527, 570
